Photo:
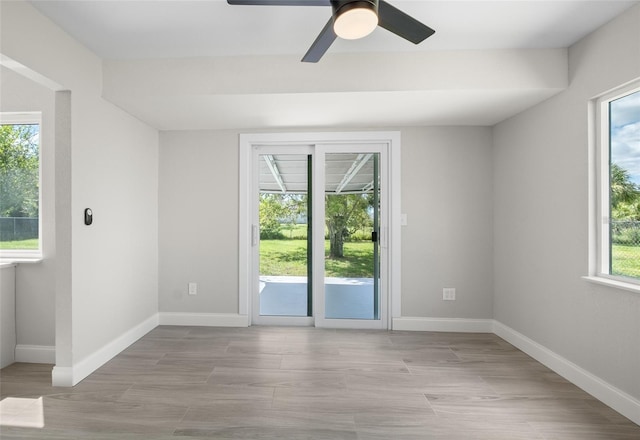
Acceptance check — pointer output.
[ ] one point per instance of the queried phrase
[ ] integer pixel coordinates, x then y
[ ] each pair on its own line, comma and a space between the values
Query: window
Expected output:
618, 140
20, 185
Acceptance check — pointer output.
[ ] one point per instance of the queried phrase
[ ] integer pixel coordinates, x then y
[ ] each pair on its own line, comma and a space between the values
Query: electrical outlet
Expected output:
449, 294
193, 288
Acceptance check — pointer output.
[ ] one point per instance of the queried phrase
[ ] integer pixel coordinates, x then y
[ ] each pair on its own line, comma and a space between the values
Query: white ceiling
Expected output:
119, 29
136, 30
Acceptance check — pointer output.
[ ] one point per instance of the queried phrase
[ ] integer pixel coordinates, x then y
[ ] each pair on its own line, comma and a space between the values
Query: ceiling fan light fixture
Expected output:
352, 19
355, 20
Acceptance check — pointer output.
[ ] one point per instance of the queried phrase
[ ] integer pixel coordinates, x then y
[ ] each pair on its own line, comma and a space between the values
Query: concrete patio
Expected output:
345, 298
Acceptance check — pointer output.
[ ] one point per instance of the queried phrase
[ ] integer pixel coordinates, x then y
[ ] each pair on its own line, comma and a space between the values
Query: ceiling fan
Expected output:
353, 19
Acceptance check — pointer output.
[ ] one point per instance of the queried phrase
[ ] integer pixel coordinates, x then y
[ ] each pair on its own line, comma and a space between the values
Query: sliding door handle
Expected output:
255, 235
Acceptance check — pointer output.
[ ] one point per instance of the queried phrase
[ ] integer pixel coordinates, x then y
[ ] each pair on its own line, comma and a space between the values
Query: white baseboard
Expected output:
69, 376
204, 319
461, 325
35, 354
62, 376
617, 399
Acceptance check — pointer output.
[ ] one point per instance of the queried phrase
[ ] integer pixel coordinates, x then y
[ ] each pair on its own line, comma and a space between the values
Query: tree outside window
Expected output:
19, 186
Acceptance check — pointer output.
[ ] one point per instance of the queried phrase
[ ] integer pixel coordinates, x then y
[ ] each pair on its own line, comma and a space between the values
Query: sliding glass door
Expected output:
352, 217
351, 212
284, 237
318, 224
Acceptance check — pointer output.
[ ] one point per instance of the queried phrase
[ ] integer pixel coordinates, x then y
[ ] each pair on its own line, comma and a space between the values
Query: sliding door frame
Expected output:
391, 235
381, 283
256, 317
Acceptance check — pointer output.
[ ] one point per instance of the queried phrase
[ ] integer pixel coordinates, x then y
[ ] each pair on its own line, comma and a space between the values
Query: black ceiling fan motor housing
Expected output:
342, 6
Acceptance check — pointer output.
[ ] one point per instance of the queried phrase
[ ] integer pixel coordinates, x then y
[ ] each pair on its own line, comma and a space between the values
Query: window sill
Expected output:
10, 262
610, 282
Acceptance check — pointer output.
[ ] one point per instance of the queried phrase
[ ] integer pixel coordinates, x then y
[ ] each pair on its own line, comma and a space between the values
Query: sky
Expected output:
625, 134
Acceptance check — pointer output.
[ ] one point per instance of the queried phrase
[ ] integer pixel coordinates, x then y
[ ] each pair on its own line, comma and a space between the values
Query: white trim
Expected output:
612, 282
394, 230
27, 118
318, 221
321, 151
354, 324
36, 354
245, 228
25, 71
461, 325
598, 173
593, 175
617, 399
21, 118
15, 261
253, 207
204, 319
62, 377
286, 321
69, 376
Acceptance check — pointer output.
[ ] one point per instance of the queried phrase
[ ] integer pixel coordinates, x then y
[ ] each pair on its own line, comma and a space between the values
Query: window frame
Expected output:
600, 176
27, 118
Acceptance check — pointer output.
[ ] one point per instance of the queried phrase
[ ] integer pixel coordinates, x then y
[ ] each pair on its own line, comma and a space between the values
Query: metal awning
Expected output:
345, 173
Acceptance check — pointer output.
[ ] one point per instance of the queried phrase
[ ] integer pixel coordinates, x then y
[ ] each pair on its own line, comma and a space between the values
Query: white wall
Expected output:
444, 245
199, 221
113, 158
35, 292
541, 219
447, 196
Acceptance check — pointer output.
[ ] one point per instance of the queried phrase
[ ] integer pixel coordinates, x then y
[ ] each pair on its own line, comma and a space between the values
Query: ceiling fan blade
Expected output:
323, 42
281, 2
401, 24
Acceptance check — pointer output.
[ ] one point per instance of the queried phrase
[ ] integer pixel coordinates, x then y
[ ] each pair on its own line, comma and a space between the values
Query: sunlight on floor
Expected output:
22, 412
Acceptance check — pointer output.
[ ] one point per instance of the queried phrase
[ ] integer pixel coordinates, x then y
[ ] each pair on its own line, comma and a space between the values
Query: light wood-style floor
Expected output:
308, 383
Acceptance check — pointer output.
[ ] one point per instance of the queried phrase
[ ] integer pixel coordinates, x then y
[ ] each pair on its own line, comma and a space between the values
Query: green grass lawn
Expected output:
288, 257
625, 260
299, 232
31, 244
294, 231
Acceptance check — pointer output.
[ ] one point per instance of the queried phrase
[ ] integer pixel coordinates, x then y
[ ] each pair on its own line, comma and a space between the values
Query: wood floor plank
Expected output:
341, 363
437, 383
189, 395
112, 416
580, 431
515, 408
251, 377
349, 401
267, 424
